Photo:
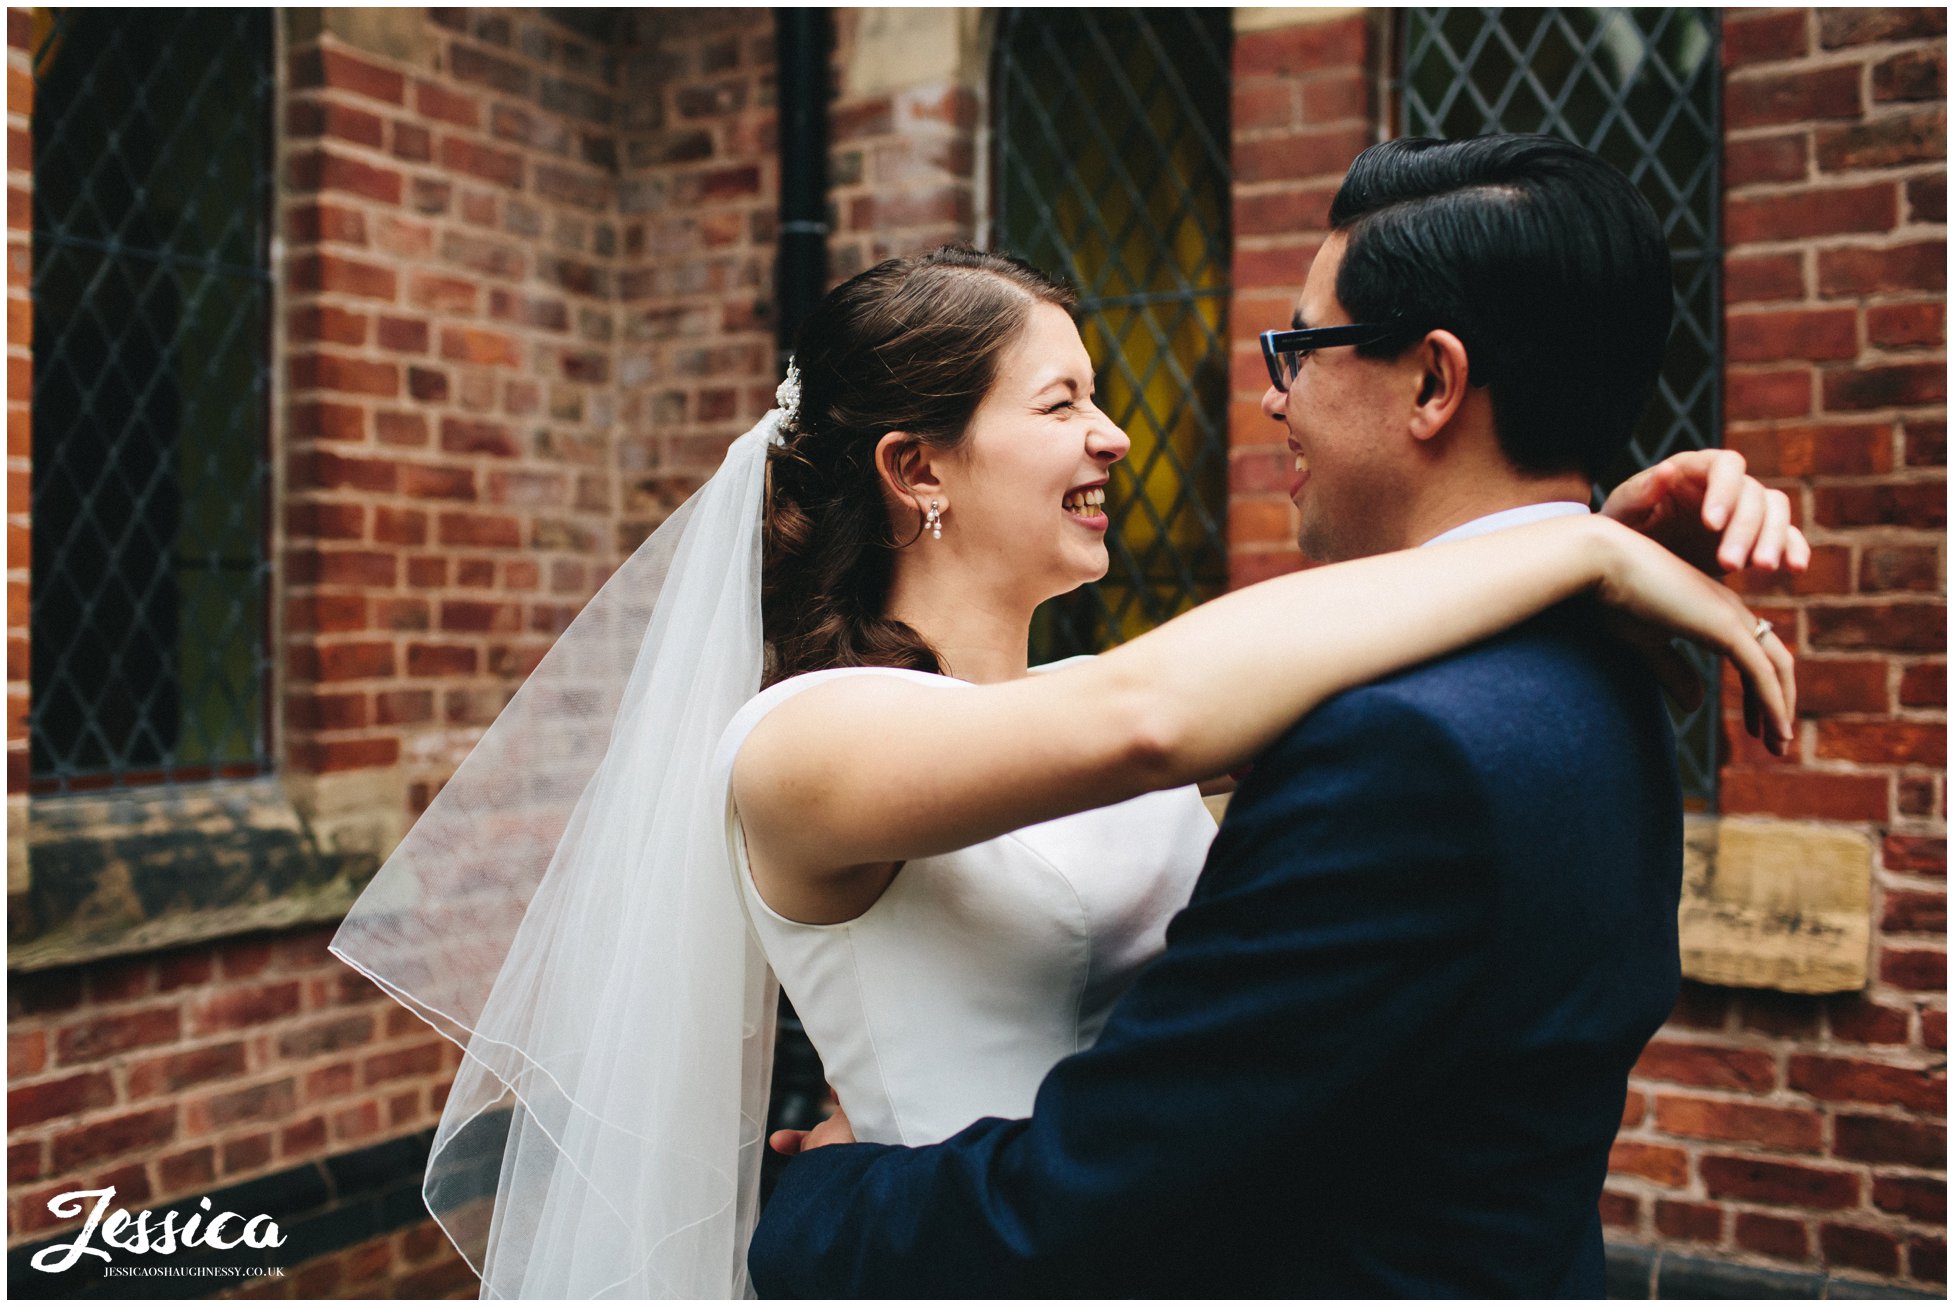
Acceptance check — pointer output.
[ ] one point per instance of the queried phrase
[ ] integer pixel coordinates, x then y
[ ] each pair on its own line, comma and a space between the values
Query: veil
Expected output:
565, 911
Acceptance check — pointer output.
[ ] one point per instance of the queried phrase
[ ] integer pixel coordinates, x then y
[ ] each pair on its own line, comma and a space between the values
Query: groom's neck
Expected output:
1442, 505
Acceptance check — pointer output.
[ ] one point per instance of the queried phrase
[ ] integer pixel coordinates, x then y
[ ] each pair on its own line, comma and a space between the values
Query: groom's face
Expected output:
1346, 418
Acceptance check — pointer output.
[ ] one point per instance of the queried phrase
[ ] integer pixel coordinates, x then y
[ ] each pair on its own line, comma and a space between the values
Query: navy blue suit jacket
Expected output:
1386, 1048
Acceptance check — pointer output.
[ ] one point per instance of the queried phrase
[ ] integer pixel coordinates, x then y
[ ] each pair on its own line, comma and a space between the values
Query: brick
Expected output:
334, 68
266, 1102
1851, 1080
1754, 160
403, 335
1915, 853
325, 221
402, 429
1838, 28
1916, 136
98, 1037
1800, 214
485, 162
442, 294
181, 1070
26, 1053
1911, 75
1709, 1065
137, 1131
432, 100
1772, 1236
1927, 198
31, 1104
427, 384
437, 482
1918, 504
325, 170
1856, 271
1857, 1019
1927, 1259
1894, 385
479, 530
1263, 103
326, 322
1916, 1199
1296, 156
1751, 396
312, 521
472, 65
1921, 970
1795, 1129
248, 1154
1656, 1163
1901, 627
1780, 334
1829, 685
1302, 49
1620, 1211
1926, 443
1900, 1141
324, 756
1924, 686
1893, 743
1860, 1249
1904, 326
471, 345
347, 567
306, 1138
412, 142
1821, 796
1780, 1184
1689, 1222
440, 660
336, 372
188, 1172
1757, 38
246, 1006
381, 1067
1795, 96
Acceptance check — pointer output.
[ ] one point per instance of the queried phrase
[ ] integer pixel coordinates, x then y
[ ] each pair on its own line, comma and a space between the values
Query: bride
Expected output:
954, 865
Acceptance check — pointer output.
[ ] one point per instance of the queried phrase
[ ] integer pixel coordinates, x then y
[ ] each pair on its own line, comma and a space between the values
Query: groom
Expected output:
1386, 1049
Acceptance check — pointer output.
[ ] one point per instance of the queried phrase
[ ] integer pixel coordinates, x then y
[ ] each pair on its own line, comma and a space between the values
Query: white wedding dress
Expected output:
977, 970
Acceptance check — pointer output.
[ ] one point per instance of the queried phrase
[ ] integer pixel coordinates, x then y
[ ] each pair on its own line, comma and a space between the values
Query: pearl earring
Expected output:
935, 522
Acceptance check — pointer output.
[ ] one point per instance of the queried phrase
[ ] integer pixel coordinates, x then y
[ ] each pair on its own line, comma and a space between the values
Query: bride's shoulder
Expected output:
1073, 661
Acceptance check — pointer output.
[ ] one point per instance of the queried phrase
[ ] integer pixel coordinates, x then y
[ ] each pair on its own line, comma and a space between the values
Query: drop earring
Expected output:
935, 521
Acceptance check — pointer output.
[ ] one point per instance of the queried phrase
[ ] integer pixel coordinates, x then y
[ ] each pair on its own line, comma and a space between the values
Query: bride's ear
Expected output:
908, 470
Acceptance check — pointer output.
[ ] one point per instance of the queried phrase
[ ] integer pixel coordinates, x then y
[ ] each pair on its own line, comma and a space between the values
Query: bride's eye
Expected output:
1063, 403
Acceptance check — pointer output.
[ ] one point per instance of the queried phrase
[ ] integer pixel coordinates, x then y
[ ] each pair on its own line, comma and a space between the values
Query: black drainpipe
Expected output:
802, 40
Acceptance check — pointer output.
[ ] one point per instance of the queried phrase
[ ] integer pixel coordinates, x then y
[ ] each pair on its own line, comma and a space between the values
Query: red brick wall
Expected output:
20, 379
1799, 1131
902, 165
1304, 106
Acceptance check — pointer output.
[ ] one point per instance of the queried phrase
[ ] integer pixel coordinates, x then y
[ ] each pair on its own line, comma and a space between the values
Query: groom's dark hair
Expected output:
1542, 258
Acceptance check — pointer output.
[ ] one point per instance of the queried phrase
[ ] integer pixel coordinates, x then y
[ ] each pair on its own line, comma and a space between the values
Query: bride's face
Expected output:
1029, 481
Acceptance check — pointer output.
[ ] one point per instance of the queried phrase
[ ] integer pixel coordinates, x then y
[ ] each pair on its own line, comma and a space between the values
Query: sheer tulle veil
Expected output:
565, 911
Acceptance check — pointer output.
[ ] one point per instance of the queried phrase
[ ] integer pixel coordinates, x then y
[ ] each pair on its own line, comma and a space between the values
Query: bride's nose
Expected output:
1107, 442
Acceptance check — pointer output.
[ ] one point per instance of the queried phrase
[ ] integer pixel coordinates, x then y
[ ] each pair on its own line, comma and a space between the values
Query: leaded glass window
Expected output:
1639, 87
151, 292
1112, 171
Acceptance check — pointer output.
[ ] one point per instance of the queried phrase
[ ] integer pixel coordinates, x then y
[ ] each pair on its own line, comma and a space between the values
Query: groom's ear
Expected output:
1443, 378
907, 468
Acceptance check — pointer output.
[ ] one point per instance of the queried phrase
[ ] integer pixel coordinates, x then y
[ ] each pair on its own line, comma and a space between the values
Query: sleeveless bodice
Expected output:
976, 970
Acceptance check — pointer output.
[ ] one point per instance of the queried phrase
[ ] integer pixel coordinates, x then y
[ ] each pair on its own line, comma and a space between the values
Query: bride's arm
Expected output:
848, 777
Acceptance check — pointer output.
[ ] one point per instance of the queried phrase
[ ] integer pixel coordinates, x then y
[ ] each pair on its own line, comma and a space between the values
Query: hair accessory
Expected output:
788, 396
935, 522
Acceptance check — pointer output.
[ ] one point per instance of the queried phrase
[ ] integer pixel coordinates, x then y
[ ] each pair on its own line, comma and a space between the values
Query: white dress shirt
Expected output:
1520, 516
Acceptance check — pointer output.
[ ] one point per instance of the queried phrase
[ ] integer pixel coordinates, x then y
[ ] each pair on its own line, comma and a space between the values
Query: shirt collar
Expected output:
1510, 517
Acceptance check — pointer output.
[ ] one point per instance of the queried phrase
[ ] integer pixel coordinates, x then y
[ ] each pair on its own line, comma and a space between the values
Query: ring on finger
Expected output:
1762, 629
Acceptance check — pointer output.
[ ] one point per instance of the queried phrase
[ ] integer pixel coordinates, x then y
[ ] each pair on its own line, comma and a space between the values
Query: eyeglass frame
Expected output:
1304, 340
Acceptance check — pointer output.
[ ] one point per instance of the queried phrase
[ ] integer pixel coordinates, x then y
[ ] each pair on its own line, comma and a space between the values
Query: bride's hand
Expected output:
1653, 596
1701, 507
834, 1130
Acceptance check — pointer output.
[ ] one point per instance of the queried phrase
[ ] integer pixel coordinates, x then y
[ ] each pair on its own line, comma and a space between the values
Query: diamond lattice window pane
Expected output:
1639, 87
1112, 130
151, 293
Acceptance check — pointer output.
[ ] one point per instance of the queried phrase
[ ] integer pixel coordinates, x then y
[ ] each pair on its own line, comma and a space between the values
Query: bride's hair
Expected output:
911, 345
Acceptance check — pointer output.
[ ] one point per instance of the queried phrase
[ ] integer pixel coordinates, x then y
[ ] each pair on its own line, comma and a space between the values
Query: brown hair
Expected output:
911, 345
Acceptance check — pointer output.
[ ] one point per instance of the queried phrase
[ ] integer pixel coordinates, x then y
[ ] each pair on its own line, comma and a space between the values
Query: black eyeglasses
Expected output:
1284, 351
